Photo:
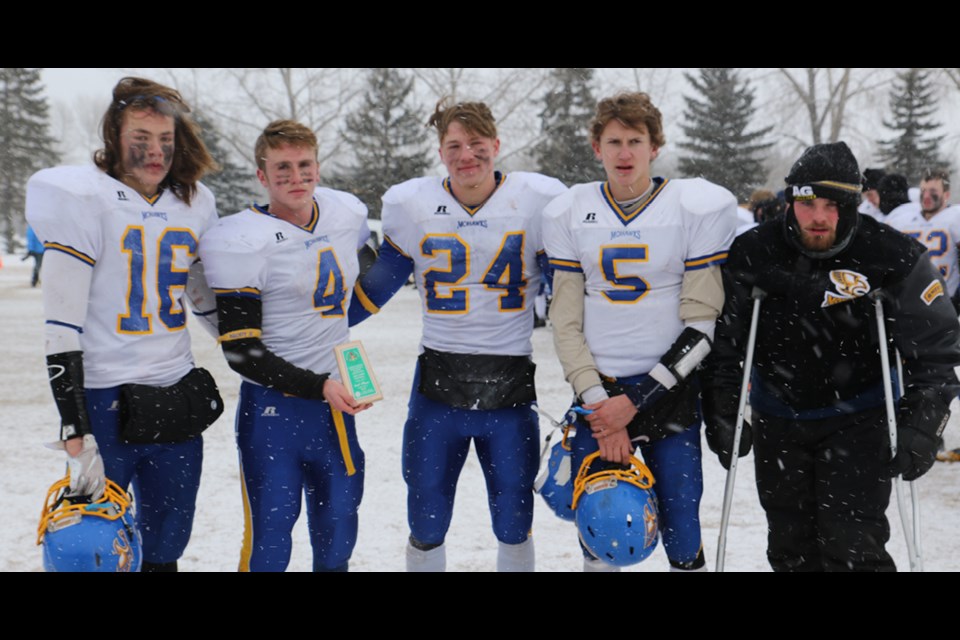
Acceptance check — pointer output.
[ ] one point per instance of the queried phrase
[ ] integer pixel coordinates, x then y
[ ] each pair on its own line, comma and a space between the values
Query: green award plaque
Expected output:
356, 373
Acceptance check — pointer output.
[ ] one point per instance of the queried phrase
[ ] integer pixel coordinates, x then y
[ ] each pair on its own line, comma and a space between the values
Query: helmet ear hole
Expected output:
82, 536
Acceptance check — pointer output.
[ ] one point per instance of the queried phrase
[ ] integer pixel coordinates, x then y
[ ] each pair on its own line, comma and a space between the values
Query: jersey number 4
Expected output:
504, 274
169, 278
330, 294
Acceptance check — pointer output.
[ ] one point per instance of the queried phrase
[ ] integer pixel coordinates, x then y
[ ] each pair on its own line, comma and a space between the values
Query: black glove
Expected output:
921, 419
720, 415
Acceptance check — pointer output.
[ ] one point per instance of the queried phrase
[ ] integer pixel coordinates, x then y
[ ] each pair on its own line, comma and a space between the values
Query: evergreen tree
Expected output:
388, 137
564, 151
719, 145
232, 185
25, 141
912, 103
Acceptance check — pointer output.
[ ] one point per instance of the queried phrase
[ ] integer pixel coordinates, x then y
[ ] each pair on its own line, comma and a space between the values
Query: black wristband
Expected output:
66, 382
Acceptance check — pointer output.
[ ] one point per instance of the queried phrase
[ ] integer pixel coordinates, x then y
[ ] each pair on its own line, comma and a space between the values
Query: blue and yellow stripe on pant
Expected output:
291, 448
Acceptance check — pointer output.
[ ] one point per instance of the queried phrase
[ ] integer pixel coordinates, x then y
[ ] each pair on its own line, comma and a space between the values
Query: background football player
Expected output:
473, 243
636, 293
121, 237
283, 275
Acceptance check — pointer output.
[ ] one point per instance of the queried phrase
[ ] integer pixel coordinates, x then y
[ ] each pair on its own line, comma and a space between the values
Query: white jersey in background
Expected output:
940, 234
140, 251
304, 276
867, 208
476, 268
637, 262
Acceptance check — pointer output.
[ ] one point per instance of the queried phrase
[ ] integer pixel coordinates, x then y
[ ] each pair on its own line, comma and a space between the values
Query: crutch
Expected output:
914, 489
911, 535
757, 295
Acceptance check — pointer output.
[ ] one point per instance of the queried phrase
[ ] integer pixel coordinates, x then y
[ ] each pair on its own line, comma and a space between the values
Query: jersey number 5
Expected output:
627, 289
504, 274
170, 279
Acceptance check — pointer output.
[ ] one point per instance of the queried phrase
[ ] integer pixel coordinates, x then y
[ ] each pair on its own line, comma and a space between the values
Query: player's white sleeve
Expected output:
398, 229
231, 263
202, 300
58, 208
567, 307
66, 289
712, 215
712, 212
558, 237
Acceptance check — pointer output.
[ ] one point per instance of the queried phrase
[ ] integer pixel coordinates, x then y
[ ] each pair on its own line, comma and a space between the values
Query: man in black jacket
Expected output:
822, 453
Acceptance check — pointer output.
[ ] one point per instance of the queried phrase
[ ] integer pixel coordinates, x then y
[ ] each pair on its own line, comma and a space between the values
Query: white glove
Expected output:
87, 477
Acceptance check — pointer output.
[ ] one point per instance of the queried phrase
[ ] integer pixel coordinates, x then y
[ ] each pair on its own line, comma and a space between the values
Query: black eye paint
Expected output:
138, 155
167, 154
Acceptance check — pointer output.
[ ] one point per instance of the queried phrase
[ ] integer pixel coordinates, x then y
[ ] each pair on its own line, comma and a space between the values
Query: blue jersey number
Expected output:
505, 273
170, 279
457, 299
627, 289
330, 294
937, 242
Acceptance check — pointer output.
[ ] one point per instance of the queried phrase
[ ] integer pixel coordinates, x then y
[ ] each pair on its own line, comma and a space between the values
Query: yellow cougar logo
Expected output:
123, 549
849, 284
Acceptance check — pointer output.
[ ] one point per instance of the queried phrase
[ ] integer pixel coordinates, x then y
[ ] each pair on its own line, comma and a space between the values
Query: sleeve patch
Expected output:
933, 291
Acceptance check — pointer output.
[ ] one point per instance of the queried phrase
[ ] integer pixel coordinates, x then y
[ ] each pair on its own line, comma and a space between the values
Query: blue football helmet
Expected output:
616, 512
555, 482
78, 535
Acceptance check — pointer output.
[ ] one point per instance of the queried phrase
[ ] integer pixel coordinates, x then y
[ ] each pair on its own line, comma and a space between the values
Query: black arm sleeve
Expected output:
66, 382
925, 329
247, 355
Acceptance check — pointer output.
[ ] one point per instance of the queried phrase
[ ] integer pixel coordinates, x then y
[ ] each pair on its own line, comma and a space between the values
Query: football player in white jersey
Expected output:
121, 237
637, 290
473, 243
870, 206
935, 224
283, 275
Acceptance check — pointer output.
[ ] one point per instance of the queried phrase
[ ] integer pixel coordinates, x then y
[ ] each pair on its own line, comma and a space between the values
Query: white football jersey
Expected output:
634, 264
303, 276
140, 251
940, 234
476, 268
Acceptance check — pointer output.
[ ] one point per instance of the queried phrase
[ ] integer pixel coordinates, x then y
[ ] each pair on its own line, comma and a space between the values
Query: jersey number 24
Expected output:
504, 274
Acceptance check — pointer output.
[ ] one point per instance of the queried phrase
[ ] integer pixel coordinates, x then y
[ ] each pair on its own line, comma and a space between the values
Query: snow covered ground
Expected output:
28, 418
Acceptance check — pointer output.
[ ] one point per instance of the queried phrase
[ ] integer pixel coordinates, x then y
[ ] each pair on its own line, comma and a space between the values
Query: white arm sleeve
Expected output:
66, 290
202, 300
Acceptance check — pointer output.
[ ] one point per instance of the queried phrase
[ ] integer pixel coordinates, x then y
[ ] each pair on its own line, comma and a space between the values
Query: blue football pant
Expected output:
165, 478
436, 440
675, 463
289, 447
